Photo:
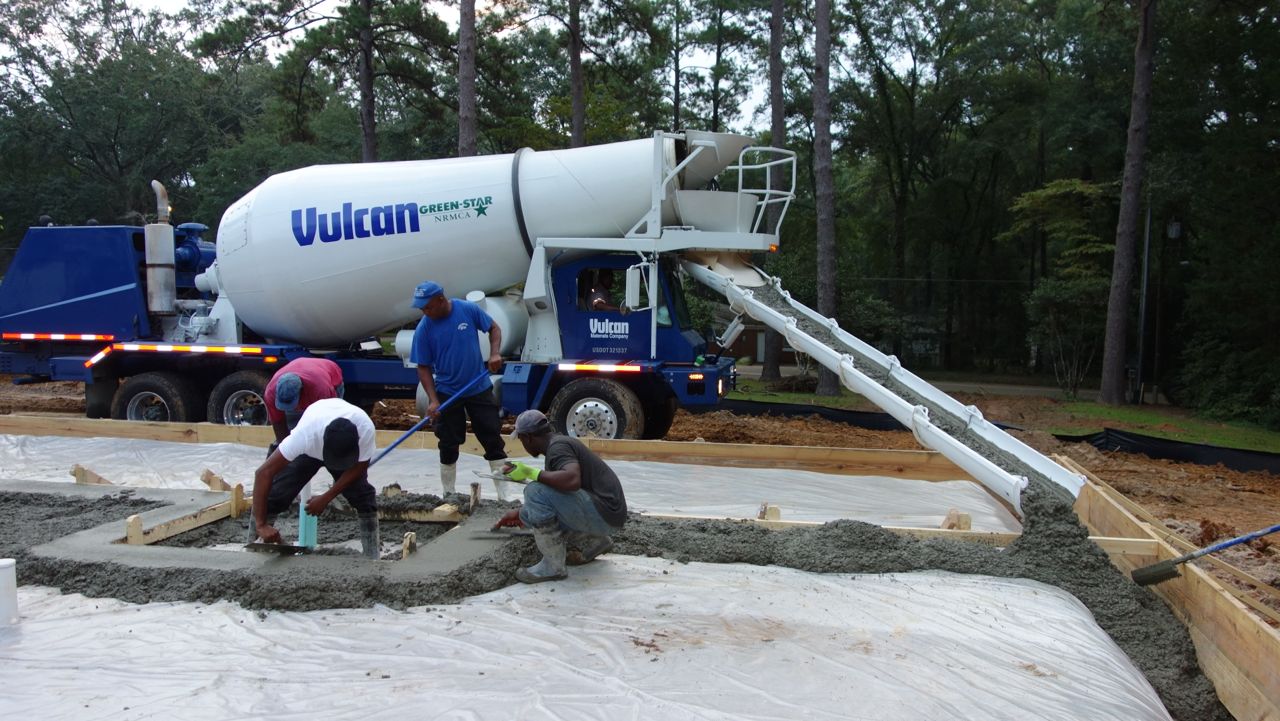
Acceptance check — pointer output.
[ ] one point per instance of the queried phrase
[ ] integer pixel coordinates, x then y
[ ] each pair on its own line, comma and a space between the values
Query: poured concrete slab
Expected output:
104, 543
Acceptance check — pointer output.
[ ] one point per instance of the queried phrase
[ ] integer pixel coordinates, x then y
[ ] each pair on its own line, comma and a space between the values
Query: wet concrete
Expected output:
1054, 549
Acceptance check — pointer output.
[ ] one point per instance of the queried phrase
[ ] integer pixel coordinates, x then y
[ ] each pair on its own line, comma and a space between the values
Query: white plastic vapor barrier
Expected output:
667, 488
624, 638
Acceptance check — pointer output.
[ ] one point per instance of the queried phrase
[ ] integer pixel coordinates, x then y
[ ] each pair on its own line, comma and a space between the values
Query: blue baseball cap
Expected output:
425, 292
288, 390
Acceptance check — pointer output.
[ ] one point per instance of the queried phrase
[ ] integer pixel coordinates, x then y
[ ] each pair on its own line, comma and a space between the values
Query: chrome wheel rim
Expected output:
148, 406
244, 408
592, 418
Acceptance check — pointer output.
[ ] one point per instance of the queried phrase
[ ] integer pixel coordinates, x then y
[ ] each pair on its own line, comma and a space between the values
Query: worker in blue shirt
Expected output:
447, 351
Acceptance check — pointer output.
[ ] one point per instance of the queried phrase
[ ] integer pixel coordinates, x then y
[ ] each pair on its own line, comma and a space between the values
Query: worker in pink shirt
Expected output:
298, 384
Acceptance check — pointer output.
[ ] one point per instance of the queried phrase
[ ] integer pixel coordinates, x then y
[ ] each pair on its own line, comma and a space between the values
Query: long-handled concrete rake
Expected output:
426, 419
1165, 570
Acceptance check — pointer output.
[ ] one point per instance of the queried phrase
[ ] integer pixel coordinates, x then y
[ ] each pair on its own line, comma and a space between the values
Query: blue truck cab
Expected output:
609, 383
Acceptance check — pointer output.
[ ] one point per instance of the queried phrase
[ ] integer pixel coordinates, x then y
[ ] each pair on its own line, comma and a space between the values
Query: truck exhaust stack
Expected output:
162, 289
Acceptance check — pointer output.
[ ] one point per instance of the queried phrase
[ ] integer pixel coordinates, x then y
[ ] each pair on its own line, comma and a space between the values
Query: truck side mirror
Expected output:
635, 285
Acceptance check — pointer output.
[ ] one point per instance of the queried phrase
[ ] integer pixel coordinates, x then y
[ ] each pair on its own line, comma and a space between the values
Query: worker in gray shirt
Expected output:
576, 501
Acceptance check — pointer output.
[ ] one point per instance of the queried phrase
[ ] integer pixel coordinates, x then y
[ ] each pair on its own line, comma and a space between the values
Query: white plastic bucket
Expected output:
8, 591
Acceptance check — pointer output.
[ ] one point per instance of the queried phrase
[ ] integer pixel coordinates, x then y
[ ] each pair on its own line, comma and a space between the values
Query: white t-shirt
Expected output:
307, 438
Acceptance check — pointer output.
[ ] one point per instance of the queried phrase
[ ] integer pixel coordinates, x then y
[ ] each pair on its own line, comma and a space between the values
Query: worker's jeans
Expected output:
451, 426
544, 506
288, 483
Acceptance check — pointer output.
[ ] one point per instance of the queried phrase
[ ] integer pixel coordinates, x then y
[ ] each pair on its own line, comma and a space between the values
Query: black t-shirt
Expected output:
598, 479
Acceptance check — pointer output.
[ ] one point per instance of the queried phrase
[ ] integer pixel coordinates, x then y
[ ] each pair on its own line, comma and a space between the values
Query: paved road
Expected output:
976, 387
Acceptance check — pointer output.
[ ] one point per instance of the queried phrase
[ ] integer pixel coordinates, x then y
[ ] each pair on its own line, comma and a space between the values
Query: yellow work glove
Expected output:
523, 472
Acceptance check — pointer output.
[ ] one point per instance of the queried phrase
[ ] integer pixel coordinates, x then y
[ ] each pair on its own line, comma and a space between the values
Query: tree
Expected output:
363, 21
1212, 168
577, 86
678, 46
96, 107
1114, 349
722, 31
613, 49
1066, 310
397, 48
773, 341
824, 186
466, 78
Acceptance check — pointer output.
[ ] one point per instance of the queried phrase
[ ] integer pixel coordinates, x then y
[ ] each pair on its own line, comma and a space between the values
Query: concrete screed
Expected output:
63, 535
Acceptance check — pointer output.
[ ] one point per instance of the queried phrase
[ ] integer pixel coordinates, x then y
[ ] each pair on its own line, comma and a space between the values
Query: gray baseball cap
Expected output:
532, 422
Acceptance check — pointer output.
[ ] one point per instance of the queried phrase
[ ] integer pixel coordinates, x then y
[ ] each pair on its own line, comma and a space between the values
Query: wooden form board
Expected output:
136, 535
917, 465
444, 513
1238, 651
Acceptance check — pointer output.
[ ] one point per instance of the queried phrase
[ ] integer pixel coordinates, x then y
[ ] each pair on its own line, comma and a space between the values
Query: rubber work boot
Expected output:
499, 487
551, 568
448, 477
586, 548
370, 542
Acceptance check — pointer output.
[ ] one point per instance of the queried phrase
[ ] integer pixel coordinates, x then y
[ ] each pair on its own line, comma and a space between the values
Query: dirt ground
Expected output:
1204, 504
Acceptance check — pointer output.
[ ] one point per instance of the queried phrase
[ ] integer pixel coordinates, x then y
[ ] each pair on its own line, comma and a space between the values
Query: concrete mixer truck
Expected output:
161, 324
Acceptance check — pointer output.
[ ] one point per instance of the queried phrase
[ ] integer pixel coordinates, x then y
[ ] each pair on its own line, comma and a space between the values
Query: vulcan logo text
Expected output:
351, 222
609, 329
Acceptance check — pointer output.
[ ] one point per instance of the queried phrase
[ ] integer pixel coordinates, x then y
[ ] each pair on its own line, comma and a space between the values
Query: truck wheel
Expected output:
237, 400
658, 416
162, 396
597, 408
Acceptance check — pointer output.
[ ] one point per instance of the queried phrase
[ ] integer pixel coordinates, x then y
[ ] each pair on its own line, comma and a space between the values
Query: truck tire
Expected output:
597, 408
98, 396
159, 396
237, 400
658, 416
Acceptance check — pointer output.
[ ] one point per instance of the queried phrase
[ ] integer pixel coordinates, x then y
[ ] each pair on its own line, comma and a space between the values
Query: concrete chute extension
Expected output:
999, 461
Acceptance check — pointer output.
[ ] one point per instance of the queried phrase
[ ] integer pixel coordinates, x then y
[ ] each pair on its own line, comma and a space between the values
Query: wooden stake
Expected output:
238, 504
409, 546
84, 476
214, 481
133, 530
957, 521
769, 512
475, 497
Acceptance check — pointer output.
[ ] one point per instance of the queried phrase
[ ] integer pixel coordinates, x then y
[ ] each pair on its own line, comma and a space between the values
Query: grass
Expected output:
1072, 418
1167, 422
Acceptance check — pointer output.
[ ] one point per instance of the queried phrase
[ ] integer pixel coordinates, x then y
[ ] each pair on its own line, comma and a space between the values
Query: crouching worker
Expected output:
576, 501
333, 434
